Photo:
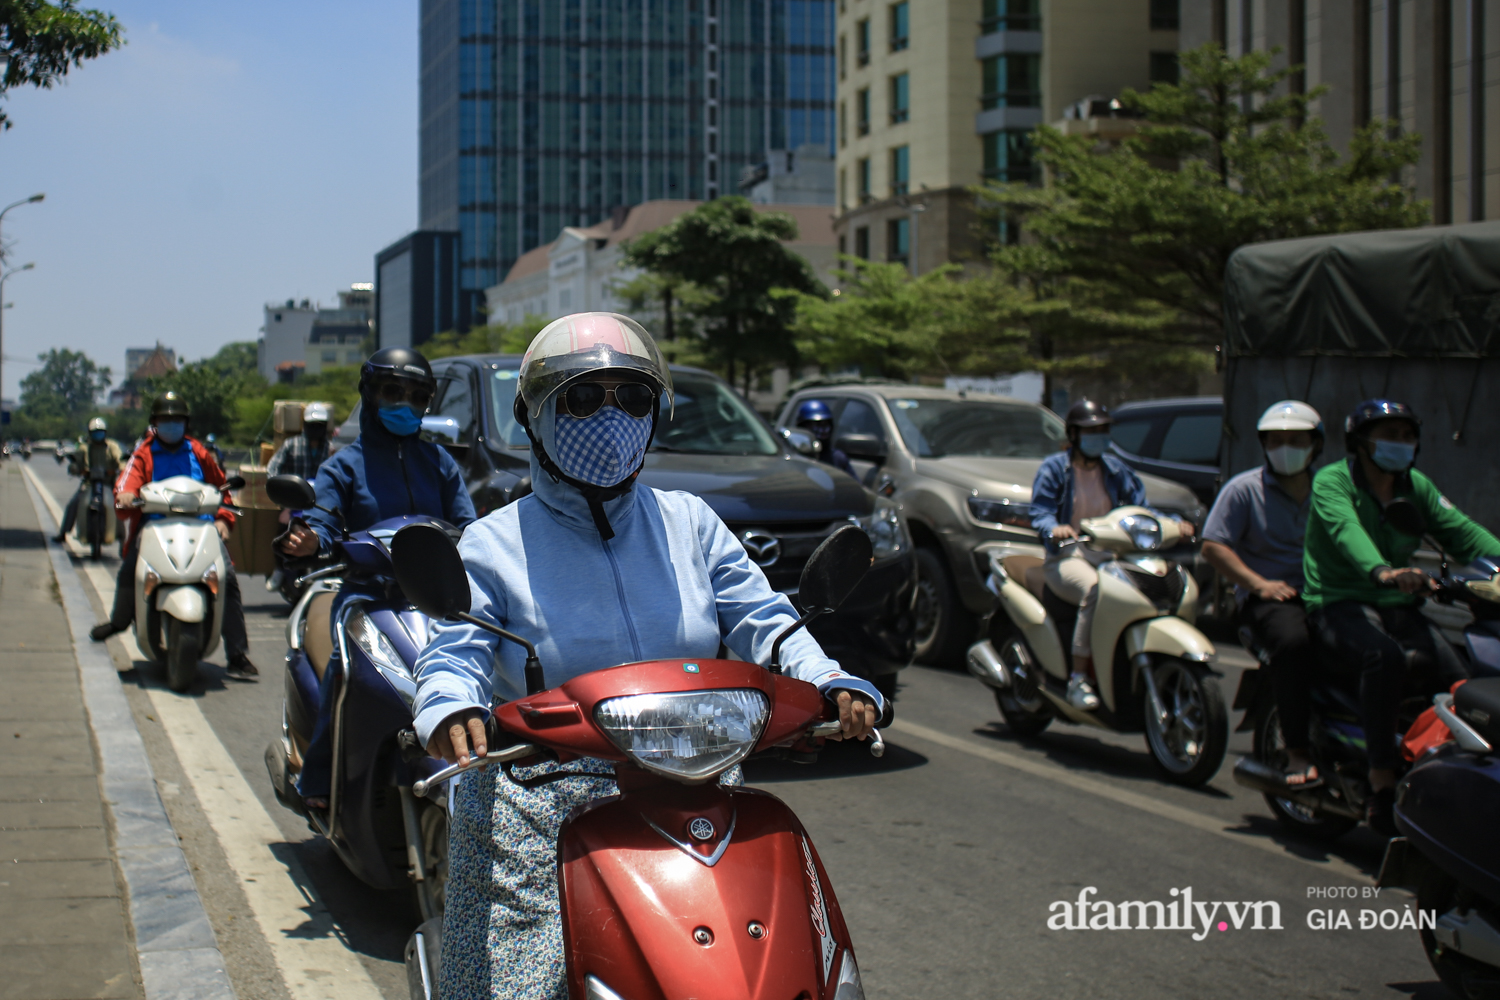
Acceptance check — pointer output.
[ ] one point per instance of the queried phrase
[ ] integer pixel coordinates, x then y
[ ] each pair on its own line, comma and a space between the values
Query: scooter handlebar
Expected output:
421, 786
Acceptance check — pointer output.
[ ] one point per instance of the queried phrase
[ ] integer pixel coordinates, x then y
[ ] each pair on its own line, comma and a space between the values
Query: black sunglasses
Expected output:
395, 393
583, 399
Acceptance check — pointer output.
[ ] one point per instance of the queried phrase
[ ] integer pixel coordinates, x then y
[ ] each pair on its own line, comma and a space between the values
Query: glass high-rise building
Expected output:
540, 114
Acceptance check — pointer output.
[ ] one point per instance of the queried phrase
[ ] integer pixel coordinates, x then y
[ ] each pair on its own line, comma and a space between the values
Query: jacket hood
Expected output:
568, 506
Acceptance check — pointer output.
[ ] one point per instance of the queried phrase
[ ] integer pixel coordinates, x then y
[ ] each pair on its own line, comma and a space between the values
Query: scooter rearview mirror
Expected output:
835, 569
429, 570
292, 492
234, 483
829, 576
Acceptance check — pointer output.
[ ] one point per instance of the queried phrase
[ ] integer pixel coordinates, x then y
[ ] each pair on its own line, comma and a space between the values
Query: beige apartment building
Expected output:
935, 96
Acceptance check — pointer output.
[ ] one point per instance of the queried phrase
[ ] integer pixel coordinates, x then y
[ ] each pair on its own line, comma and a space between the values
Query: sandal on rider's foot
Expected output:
1380, 811
242, 669
1310, 778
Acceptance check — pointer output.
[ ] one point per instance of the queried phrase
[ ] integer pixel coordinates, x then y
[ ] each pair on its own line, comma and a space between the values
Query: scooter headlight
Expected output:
1144, 532
687, 735
850, 988
374, 644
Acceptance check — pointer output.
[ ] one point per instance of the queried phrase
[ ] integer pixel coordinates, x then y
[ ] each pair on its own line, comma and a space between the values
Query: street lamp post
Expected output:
3, 278
24, 201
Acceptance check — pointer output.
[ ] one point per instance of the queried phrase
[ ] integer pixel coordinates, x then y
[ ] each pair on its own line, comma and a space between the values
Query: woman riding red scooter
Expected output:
595, 573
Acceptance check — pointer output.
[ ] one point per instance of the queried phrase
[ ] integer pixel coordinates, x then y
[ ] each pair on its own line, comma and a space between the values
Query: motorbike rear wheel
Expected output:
184, 646
1022, 707
433, 822
1463, 976
1190, 747
1270, 749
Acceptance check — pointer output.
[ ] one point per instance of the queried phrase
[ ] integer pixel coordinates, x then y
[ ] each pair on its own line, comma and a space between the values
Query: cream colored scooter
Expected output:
1153, 666
178, 575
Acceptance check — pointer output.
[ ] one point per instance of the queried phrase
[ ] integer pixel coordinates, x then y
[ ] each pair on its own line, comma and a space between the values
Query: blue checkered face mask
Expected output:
603, 448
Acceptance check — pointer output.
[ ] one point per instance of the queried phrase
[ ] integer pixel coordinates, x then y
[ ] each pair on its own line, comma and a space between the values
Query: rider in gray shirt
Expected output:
1253, 536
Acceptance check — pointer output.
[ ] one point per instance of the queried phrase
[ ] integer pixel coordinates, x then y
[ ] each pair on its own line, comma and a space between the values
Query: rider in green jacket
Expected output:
1368, 515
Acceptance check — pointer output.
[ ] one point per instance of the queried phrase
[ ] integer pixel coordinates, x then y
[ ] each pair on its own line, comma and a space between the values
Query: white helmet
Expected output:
584, 344
98, 424
1290, 415
315, 413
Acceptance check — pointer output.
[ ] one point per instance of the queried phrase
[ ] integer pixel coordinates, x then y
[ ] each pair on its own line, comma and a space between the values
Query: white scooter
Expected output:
1153, 665
178, 574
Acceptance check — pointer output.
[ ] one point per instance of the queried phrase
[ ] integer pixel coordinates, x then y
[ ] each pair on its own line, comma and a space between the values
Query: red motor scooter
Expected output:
678, 887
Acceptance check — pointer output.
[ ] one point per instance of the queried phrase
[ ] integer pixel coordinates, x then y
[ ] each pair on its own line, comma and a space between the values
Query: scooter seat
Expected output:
317, 637
1477, 702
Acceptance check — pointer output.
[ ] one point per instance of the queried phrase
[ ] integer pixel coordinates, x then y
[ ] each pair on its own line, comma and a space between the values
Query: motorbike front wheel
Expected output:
96, 534
1022, 707
1270, 749
1189, 743
184, 646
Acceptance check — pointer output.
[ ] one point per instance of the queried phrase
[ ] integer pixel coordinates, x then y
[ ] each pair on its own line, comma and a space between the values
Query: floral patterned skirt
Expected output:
502, 929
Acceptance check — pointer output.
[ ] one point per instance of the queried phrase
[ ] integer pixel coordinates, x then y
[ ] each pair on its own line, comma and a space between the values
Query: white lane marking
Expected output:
1165, 810
315, 963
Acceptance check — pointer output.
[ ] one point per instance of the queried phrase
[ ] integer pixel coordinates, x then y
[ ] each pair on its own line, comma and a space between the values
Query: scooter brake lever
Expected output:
832, 727
422, 786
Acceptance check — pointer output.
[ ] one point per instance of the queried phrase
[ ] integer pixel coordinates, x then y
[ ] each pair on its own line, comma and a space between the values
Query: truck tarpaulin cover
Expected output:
1432, 292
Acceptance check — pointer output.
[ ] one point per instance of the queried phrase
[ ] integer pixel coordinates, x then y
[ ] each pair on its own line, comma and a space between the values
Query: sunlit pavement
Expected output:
948, 855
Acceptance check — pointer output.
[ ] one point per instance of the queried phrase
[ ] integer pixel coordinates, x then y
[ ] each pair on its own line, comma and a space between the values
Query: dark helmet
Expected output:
1372, 411
169, 404
1087, 413
813, 410
396, 362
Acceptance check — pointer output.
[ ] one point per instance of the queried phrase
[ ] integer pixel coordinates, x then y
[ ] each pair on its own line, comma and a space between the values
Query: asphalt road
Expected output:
947, 855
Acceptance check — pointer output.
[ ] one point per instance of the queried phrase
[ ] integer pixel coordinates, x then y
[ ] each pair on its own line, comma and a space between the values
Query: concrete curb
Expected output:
178, 954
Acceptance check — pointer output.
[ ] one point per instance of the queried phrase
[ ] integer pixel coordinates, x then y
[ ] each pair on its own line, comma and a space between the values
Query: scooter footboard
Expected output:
702, 891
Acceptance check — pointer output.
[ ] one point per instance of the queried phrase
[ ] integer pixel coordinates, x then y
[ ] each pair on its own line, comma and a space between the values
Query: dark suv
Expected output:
1176, 439
779, 504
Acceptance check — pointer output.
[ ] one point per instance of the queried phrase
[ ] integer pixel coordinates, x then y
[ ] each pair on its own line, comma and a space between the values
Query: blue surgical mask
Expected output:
96, 435
1393, 456
401, 420
601, 449
1093, 445
171, 431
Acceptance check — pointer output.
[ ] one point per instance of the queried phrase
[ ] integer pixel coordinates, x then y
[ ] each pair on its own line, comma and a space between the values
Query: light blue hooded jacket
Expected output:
673, 582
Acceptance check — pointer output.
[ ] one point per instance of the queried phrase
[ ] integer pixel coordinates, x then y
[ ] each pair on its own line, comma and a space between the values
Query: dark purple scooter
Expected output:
386, 835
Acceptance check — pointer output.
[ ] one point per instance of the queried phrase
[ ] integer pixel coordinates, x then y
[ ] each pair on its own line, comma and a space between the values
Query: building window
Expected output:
843, 188
1013, 81
864, 179
862, 242
862, 112
353, 357
900, 98
900, 26
842, 53
842, 251
1011, 15
1165, 15
565, 298
900, 170
843, 124
1008, 157
1164, 67
330, 357
862, 42
897, 240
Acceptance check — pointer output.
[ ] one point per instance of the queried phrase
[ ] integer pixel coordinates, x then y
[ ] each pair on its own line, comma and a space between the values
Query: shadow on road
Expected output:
838, 760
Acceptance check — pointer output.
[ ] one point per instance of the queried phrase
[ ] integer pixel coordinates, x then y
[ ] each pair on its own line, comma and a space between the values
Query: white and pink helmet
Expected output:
584, 344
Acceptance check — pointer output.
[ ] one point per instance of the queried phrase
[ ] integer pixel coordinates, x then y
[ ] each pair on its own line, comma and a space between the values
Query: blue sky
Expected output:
229, 155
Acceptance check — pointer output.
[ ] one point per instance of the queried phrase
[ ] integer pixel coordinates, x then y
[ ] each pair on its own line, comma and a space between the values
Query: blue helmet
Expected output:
813, 410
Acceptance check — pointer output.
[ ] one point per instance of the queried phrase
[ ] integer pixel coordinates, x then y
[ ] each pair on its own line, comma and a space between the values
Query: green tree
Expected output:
738, 256
1155, 220
672, 310
59, 397
494, 338
212, 387
44, 40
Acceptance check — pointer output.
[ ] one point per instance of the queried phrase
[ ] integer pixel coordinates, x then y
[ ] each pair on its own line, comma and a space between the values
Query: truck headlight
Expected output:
1001, 511
690, 735
887, 534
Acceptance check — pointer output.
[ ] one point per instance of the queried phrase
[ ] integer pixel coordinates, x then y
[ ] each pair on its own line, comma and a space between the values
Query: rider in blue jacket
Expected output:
387, 472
